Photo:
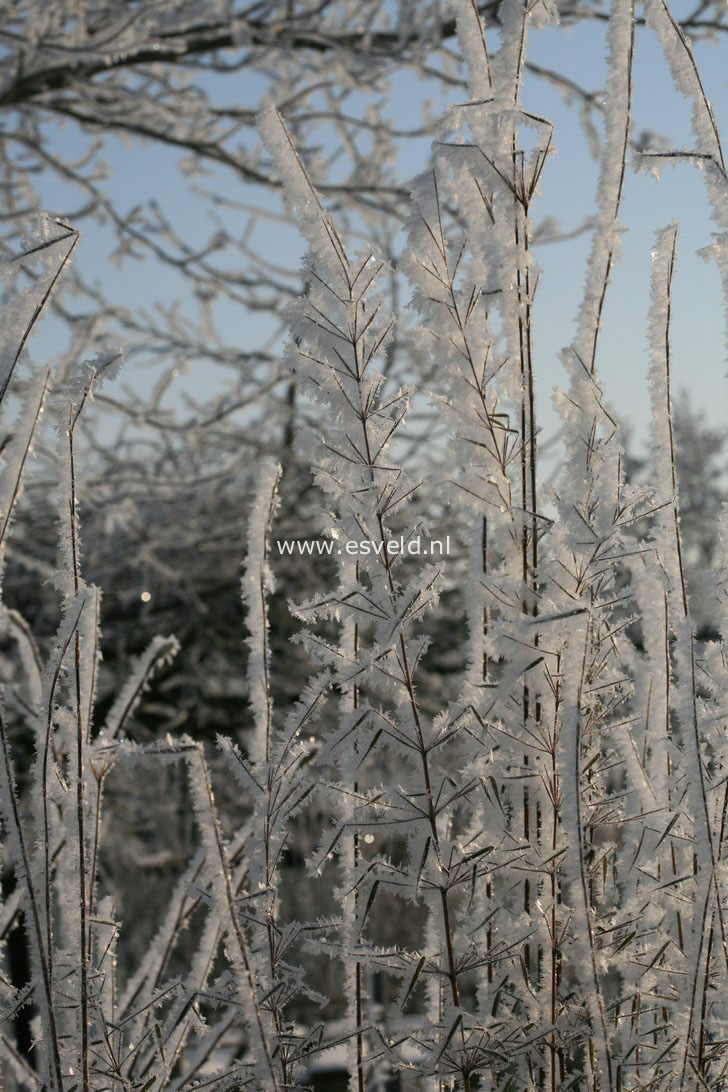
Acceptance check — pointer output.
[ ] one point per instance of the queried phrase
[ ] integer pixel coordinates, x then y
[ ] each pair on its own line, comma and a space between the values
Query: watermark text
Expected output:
416, 546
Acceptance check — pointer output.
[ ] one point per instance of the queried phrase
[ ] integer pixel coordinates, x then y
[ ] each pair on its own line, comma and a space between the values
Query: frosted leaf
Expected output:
19, 450
257, 585
52, 244
159, 652
471, 39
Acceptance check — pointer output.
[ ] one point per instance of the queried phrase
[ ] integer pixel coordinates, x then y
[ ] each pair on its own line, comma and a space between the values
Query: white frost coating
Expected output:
74, 398
89, 660
549, 823
686, 75
605, 239
474, 285
340, 330
142, 985
477, 605
257, 585
693, 760
52, 836
473, 46
21, 633
592, 475
575, 866
218, 875
272, 774
52, 245
718, 252
508, 62
91, 374
18, 452
19, 852
160, 651
663, 260
315, 225
708, 148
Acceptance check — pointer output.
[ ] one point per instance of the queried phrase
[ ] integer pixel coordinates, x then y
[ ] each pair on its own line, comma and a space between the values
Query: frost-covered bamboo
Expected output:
465, 275
273, 773
340, 328
546, 847
54, 836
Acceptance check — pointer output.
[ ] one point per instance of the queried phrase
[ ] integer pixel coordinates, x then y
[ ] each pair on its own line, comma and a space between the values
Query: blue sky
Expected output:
140, 172
679, 194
